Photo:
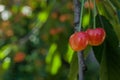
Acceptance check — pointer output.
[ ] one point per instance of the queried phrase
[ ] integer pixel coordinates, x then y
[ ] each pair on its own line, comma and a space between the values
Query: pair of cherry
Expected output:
94, 37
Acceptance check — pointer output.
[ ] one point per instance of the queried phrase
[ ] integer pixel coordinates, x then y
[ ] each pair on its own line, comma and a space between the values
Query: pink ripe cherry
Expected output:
78, 41
96, 36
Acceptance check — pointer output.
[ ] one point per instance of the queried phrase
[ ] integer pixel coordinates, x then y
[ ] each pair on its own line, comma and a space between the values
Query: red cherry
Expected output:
78, 41
96, 36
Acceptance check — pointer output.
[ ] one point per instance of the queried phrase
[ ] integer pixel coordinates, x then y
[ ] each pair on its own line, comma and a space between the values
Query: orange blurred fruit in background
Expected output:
89, 5
54, 15
63, 17
54, 31
19, 57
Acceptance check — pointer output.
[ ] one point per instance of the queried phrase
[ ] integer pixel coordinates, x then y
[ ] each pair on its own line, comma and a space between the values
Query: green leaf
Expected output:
106, 9
118, 13
56, 64
111, 35
4, 51
86, 20
51, 52
86, 51
110, 65
6, 63
116, 3
108, 54
98, 50
68, 56
73, 68
92, 66
115, 19
43, 16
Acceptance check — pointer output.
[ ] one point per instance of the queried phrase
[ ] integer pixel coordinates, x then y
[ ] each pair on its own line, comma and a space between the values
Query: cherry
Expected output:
96, 36
54, 31
89, 5
19, 57
78, 41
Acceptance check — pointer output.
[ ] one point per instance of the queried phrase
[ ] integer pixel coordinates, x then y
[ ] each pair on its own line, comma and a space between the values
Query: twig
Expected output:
76, 14
81, 63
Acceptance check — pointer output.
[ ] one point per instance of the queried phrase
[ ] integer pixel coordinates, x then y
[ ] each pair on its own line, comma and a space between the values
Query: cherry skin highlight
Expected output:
78, 41
96, 36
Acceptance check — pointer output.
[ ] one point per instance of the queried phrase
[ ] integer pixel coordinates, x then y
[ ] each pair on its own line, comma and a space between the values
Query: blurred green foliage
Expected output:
34, 36
38, 30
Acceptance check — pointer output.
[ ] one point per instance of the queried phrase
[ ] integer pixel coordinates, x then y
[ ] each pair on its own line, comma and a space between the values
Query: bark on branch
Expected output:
81, 63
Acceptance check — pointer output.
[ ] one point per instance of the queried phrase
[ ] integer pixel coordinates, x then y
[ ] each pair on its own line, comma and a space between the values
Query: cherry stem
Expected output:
94, 14
81, 14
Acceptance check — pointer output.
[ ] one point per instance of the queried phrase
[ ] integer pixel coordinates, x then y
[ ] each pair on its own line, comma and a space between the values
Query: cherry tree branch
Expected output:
81, 62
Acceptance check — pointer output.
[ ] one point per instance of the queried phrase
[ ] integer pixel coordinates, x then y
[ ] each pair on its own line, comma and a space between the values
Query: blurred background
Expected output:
34, 39
34, 36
